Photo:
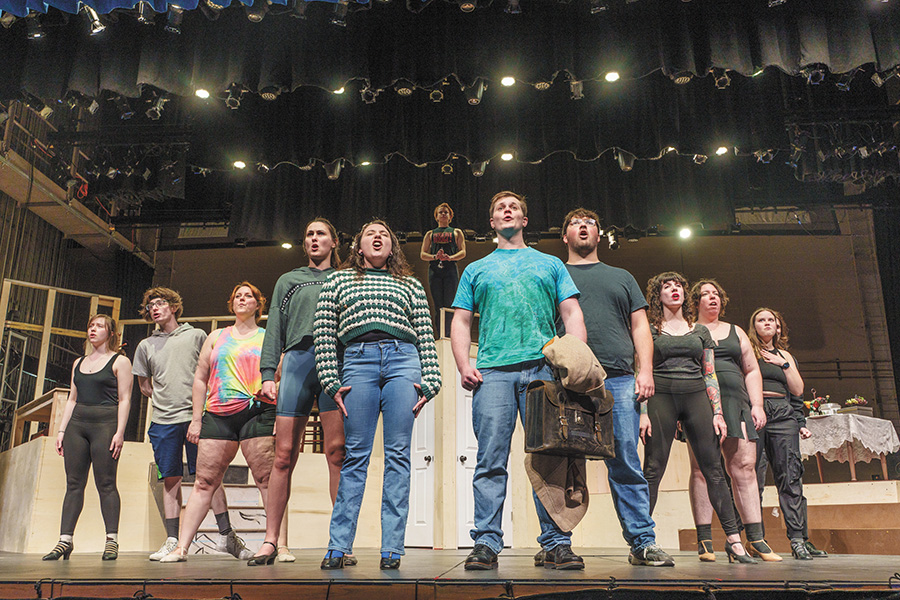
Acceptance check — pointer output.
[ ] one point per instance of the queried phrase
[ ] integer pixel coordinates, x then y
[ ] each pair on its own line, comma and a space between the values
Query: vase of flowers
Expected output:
814, 406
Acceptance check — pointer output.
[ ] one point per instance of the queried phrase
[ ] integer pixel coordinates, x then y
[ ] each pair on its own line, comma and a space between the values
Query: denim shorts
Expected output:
299, 387
169, 447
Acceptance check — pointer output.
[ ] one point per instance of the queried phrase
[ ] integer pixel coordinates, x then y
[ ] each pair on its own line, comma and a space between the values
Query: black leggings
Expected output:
695, 413
86, 442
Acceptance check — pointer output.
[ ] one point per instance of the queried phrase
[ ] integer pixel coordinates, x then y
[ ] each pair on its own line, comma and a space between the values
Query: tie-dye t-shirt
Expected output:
517, 294
234, 377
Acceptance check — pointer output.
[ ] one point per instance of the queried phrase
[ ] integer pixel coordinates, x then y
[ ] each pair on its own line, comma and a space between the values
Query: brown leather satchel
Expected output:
564, 423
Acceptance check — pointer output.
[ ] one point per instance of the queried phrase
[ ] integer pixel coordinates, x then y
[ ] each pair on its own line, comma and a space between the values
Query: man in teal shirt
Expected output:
518, 293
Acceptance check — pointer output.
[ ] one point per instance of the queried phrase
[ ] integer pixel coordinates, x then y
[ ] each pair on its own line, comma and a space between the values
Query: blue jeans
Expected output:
494, 407
630, 493
381, 375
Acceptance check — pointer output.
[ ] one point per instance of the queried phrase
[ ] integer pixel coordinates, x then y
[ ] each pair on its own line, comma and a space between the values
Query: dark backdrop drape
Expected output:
887, 245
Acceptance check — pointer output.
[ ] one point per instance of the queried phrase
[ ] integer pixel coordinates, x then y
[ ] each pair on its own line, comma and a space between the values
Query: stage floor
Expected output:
425, 574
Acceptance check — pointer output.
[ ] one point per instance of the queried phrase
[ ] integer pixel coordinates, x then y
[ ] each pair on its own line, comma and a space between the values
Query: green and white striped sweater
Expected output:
351, 304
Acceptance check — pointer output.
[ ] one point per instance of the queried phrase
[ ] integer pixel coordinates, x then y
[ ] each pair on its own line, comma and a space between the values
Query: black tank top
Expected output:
728, 353
774, 379
443, 238
97, 389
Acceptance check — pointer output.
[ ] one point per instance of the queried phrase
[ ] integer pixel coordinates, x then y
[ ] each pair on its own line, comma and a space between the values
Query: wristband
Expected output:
717, 414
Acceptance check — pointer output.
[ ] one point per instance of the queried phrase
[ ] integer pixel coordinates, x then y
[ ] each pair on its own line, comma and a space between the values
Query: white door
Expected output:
420, 525
466, 456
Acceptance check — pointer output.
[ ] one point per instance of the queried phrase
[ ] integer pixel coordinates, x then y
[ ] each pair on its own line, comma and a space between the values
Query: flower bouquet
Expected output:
856, 400
814, 406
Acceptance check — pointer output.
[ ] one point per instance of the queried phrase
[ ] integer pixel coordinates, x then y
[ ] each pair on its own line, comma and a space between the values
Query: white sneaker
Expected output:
166, 548
233, 545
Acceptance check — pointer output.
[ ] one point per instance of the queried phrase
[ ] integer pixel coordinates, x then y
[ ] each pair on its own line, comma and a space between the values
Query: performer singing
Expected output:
443, 247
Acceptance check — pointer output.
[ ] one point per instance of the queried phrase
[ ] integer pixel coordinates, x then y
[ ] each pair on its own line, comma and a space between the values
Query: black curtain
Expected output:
887, 246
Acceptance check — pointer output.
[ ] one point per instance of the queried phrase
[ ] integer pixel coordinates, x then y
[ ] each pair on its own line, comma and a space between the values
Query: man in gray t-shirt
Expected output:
164, 364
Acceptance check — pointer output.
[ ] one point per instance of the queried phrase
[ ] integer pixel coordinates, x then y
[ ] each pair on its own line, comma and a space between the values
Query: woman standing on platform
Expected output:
443, 247
742, 406
785, 425
230, 411
92, 433
378, 311
289, 330
686, 390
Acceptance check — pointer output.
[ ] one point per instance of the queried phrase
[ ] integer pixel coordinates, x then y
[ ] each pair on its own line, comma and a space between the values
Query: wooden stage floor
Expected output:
439, 575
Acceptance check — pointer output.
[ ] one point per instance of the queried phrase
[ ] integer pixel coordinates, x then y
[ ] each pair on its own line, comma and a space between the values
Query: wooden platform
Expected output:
439, 575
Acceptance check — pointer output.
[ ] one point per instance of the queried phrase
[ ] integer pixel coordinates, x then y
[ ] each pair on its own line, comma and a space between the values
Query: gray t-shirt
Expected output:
170, 360
608, 297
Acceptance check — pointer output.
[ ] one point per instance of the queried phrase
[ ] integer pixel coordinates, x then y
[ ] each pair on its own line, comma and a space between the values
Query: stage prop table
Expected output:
849, 438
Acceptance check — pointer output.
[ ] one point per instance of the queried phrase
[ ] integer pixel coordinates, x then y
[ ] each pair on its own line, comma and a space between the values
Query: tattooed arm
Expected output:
712, 390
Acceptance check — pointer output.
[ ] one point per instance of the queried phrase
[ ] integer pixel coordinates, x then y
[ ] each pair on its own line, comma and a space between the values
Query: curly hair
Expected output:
778, 341
396, 263
163, 293
335, 257
112, 342
260, 299
654, 287
694, 295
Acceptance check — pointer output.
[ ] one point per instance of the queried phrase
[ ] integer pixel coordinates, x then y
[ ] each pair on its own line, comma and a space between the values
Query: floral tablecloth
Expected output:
870, 437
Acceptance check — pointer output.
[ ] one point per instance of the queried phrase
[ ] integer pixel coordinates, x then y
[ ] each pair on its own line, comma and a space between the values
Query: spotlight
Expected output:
700, 158
467, 6
475, 91
507, 156
239, 164
145, 13
508, 81
299, 9
626, 160
613, 236
599, 6
577, 89
211, 10
542, 86
96, 25
333, 169
155, 112
685, 232
681, 77
436, 95
365, 163
257, 11
287, 245
235, 93
843, 82
33, 28
174, 18
478, 168
447, 168
262, 167
880, 78
7, 19
403, 88
368, 95
814, 74
269, 93
611, 76
764, 156
513, 8
112, 172
340, 14
721, 151
722, 79
338, 91
123, 107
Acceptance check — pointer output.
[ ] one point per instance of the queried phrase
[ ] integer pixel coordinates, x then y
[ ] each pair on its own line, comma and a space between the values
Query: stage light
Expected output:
508, 81
474, 92
403, 88
632, 234
368, 95
577, 89
269, 93
338, 91
815, 74
685, 232
764, 156
700, 158
112, 172
262, 167
298, 11
201, 93
211, 10
239, 164
96, 25
625, 159
174, 18
478, 168
235, 94
880, 78
669, 149
447, 168
33, 28
542, 86
333, 169
436, 95
155, 112
365, 163
613, 236
467, 6
844, 81
123, 107
513, 8
681, 77
7, 19
506, 156
611, 76
599, 6
340, 14
287, 245
722, 79
145, 13
257, 11
721, 150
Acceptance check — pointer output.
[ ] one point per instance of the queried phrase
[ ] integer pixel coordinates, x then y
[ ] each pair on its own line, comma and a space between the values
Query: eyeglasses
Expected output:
585, 221
155, 304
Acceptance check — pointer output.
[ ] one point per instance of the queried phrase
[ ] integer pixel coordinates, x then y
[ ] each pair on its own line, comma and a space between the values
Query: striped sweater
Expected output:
351, 304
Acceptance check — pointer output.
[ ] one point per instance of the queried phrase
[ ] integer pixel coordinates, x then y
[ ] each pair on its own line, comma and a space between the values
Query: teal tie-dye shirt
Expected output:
517, 294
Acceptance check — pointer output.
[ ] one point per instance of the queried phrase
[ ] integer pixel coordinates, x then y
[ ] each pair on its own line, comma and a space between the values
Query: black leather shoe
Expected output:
815, 552
798, 549
264, 558
562, 558
481, 558
332, 561
539, 558
390, 562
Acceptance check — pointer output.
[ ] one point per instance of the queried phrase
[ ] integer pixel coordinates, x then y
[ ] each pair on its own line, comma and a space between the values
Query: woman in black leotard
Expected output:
92, 433
785, 425
742, 406
687, 391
